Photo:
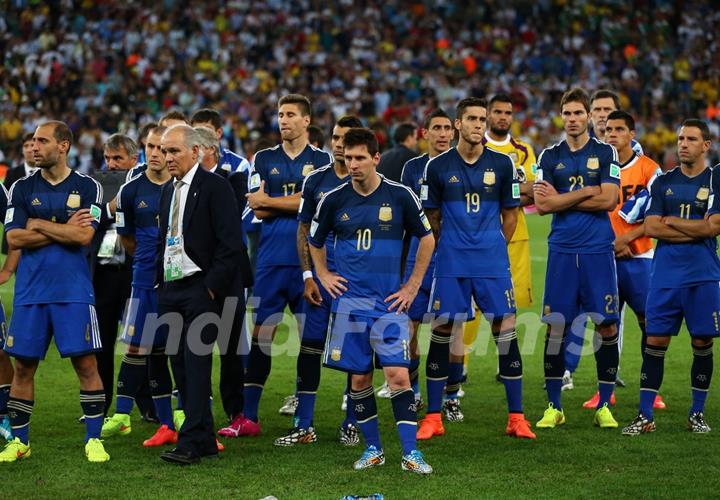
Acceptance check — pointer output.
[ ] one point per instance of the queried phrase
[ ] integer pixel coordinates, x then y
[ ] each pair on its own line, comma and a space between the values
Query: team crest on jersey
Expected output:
335, 354
514, 156
131, 330
73, 200
703, 194
142, 204
489, 178
307, 168
36, 202
436, 305
385, 213
593, 163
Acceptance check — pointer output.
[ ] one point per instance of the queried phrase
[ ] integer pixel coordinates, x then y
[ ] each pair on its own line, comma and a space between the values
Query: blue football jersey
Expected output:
138, 209
596, 163
233, 162
368, 233
54, 273
470, 198
678, 265
283, 177
316, 184
413, 177
135, 171
4, 200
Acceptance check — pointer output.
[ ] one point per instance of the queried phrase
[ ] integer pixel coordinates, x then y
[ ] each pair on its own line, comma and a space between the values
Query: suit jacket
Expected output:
239, 181
393, 161
211, 232
13, 175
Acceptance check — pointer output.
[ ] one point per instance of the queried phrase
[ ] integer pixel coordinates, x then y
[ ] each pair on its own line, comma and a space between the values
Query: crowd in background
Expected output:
105, 66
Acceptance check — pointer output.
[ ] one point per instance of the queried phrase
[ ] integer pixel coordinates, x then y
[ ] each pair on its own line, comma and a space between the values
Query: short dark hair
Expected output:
27, 136
349, 121
300, 100
435, 113
576, 95
403, 131
145, 131
207, 115
61, 131
316, 136
500, 98
173, 115
701, 124
623, 115
121, 141
361, 137
605, 94
469, 102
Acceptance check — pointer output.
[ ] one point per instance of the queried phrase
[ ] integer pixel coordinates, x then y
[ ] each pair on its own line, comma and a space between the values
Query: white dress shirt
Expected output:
188, 266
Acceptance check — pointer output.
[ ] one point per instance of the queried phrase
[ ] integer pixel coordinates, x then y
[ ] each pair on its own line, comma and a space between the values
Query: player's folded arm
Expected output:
605, 201
548, 204
656, 228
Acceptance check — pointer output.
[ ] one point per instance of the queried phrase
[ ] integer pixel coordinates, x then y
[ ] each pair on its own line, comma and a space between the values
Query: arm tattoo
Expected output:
302, 246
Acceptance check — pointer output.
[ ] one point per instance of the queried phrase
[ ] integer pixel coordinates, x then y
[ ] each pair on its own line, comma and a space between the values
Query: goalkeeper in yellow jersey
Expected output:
498, 138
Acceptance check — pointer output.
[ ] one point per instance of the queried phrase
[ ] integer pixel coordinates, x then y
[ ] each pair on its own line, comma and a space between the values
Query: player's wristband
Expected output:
307, 274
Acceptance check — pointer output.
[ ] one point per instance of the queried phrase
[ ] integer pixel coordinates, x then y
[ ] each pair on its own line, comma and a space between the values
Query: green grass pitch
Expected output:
473, 460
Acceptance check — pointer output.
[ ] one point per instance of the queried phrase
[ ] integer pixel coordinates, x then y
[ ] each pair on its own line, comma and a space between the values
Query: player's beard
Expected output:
468, 138
579, 133
45, 163
500, 131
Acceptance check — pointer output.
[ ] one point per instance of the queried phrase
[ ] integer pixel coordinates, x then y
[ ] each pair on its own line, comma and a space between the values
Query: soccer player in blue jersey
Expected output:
6, 368
472, 199
317, 306
368, 218
685, 274
578, 182
136, 220
602, 103
52, 215
438, 131
275, 182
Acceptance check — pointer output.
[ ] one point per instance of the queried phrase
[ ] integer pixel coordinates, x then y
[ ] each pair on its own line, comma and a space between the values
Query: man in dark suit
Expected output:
200, 245
393, 160
28, 167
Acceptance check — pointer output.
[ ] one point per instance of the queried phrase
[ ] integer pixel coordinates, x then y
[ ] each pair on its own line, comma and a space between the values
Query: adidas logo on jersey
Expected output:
559, 166
453, 180
274, 171
345, 217
36, 202
668, 192
142, 204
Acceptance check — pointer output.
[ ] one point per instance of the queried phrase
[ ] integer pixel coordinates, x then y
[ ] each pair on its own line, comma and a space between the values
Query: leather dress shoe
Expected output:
180, 457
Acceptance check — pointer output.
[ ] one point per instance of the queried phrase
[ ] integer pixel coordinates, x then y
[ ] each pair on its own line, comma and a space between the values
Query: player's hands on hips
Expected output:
312, 292
258, 198
81, 218
402, 299
333, 283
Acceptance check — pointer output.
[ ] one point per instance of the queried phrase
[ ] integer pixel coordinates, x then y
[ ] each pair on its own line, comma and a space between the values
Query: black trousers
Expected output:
112, 289
190, 348
232, 370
